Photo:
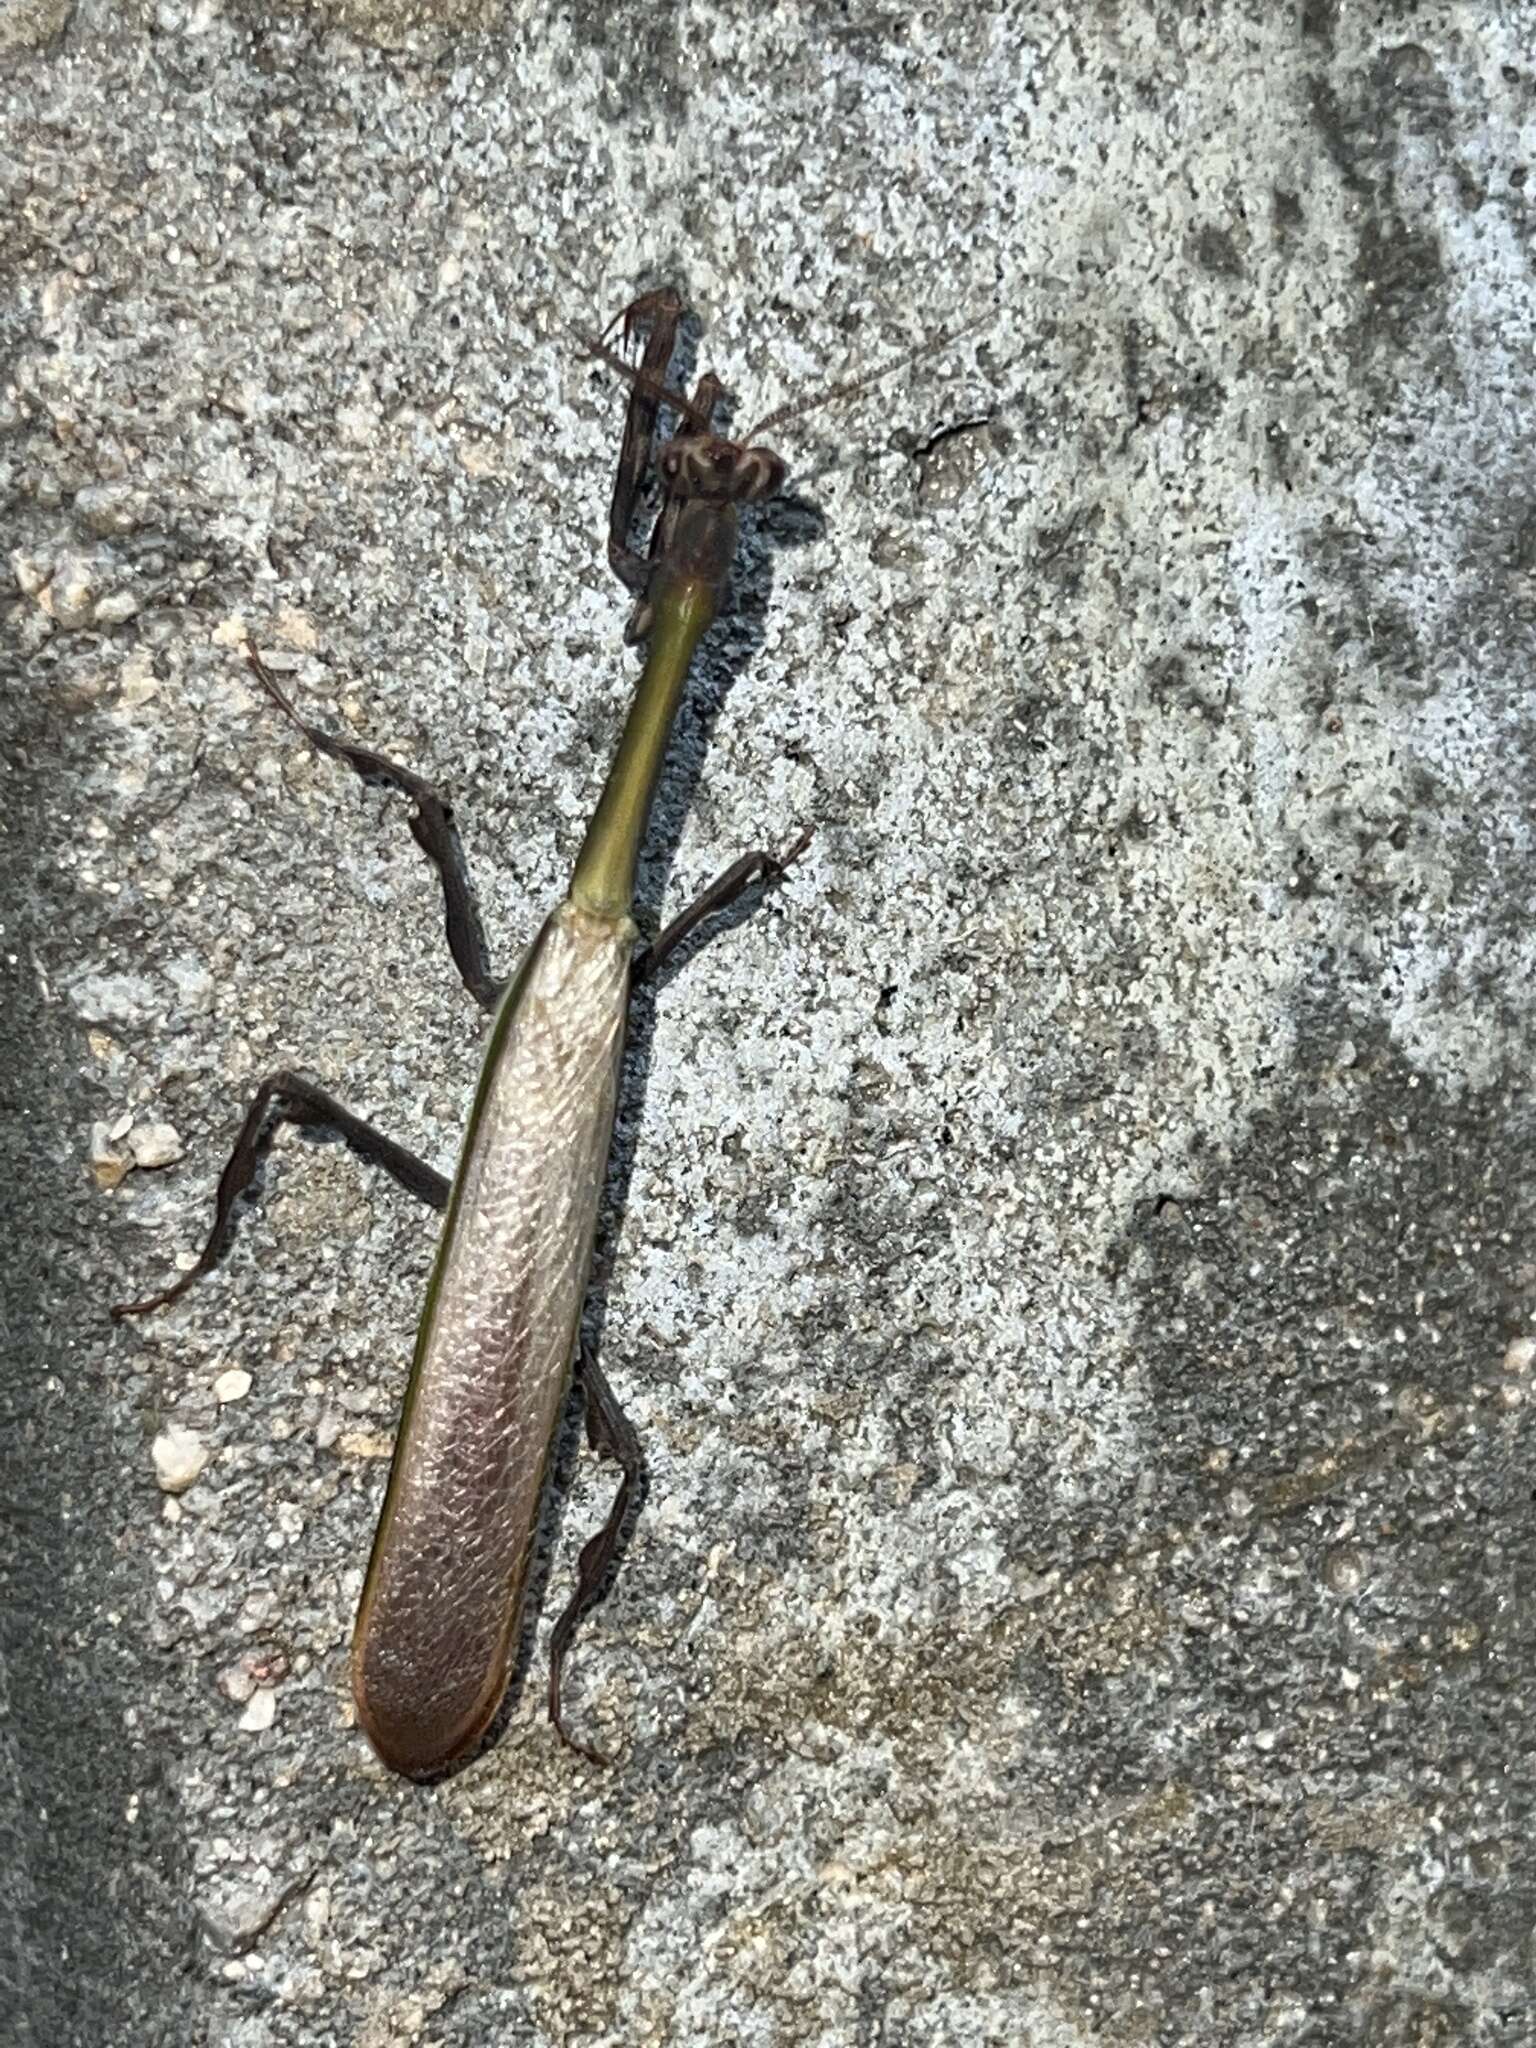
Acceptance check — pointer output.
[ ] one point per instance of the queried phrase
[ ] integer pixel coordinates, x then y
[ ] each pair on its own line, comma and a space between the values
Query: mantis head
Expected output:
699, 465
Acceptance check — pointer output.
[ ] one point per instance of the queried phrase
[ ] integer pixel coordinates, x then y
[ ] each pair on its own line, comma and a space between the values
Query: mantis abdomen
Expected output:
438, 1623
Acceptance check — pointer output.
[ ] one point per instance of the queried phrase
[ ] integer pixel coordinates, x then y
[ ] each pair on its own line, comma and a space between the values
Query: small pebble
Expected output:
32, 632
1344, 1570
365, 1443
107, 1164
31, 572
298, 628
237, 1683
114, 610
137, 681
192, 982
1521, 1355
233, 1385
109, 510
154, 1144
179, 1456
113, 999
70, 598
258, 1612
261, 1712
234, 1908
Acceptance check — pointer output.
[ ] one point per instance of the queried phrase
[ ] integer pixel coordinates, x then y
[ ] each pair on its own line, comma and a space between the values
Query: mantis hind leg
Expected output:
432, 828
285, 1098
610, 1433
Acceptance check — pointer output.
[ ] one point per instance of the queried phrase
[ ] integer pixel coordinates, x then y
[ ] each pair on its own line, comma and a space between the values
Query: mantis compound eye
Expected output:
760, 474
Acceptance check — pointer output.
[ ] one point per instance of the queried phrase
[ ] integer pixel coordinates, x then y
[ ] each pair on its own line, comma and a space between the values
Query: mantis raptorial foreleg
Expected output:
661, 312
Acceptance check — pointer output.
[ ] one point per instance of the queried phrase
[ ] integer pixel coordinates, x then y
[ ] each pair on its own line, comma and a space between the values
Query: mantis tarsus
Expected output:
441, 1613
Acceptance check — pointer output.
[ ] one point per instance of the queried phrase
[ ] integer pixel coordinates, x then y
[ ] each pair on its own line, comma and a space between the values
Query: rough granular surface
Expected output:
1070, 1253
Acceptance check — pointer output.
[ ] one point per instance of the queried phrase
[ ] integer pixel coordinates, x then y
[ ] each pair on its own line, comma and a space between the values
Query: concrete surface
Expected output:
1075, 1271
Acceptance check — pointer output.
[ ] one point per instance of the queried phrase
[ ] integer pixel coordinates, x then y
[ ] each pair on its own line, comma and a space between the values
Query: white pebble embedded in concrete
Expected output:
261, 1712
179, 1456
154, 1144
114, 610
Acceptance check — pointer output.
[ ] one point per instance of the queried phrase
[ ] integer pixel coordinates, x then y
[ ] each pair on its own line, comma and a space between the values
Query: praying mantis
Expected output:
441, 1613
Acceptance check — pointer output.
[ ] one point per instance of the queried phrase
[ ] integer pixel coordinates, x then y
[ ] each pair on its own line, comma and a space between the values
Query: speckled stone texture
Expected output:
1070, 1254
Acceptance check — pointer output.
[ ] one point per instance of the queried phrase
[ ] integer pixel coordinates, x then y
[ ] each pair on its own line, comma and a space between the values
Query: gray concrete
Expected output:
1076, 1244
